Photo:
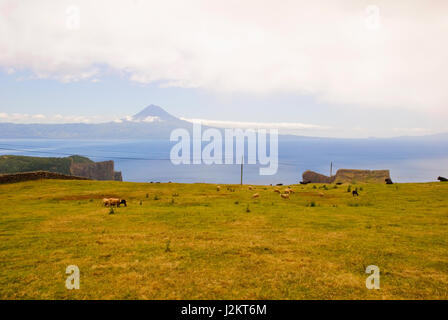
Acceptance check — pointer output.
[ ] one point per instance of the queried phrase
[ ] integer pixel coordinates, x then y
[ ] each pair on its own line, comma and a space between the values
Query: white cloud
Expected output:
257, 125
57, 118
322, 48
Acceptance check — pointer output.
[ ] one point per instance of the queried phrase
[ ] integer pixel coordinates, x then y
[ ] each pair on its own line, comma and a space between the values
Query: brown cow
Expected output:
111, 202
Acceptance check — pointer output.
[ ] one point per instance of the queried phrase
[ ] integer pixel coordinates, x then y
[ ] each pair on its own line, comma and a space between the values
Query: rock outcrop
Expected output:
348, 176
96, 170
314, 177
366, 176
73, 165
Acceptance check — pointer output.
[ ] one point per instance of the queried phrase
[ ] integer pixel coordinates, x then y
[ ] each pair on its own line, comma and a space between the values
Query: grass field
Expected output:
189, 241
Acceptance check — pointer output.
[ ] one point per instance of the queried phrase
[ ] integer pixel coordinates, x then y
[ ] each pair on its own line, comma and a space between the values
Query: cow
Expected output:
106, 202
285, 196
355, 193
257, 195
218, 188
277, 190
111, 202
442, 179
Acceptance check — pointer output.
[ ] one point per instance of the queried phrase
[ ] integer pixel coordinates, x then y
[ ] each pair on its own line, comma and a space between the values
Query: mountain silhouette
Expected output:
153, 111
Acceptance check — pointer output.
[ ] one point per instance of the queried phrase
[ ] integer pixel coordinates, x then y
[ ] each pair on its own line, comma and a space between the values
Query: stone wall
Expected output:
36, 175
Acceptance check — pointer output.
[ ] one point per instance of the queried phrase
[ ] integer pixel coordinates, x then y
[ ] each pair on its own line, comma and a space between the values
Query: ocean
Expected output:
409, 160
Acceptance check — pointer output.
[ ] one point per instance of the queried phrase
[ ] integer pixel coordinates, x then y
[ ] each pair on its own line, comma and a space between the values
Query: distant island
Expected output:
151, 123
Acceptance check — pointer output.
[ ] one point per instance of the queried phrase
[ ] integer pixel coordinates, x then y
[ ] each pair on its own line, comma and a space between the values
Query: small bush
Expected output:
111, 211
167, 247
314, 187
349, 188
147, 195
247, 208
237, 202
156, 197
141, 202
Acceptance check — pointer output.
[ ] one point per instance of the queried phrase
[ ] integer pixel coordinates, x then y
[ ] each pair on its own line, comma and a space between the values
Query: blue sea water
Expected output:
148, 160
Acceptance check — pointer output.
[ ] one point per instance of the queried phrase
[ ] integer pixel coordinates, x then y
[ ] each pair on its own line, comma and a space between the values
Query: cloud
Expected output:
57, 118
257, 125
340, 51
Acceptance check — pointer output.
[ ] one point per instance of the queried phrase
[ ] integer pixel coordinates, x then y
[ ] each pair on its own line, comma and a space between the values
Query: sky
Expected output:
338, 68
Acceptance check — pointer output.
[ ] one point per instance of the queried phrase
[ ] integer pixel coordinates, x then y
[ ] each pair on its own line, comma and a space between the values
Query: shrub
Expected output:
111, 211
247, 208
349, 188
167, 247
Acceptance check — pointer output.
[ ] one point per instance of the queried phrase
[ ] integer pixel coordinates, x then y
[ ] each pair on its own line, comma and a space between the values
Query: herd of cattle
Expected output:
116, 202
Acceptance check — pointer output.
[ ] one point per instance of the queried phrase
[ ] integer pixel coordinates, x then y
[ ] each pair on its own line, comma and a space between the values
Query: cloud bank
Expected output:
389, 54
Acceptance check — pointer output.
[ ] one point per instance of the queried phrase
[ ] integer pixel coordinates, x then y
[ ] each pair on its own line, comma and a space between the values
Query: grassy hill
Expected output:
15, 164
189, 241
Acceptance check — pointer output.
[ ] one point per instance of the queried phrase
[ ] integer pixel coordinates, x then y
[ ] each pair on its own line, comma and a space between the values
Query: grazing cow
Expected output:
251, 188
115, 202
388, 181
286, 191
355, 193
321, 194
277, 190
442, 179
285, 196
290, 190
257, 195
106, 202
218, 188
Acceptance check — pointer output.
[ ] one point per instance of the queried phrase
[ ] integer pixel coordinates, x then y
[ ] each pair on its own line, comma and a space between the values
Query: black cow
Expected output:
442, 179
123, 202
355, 193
